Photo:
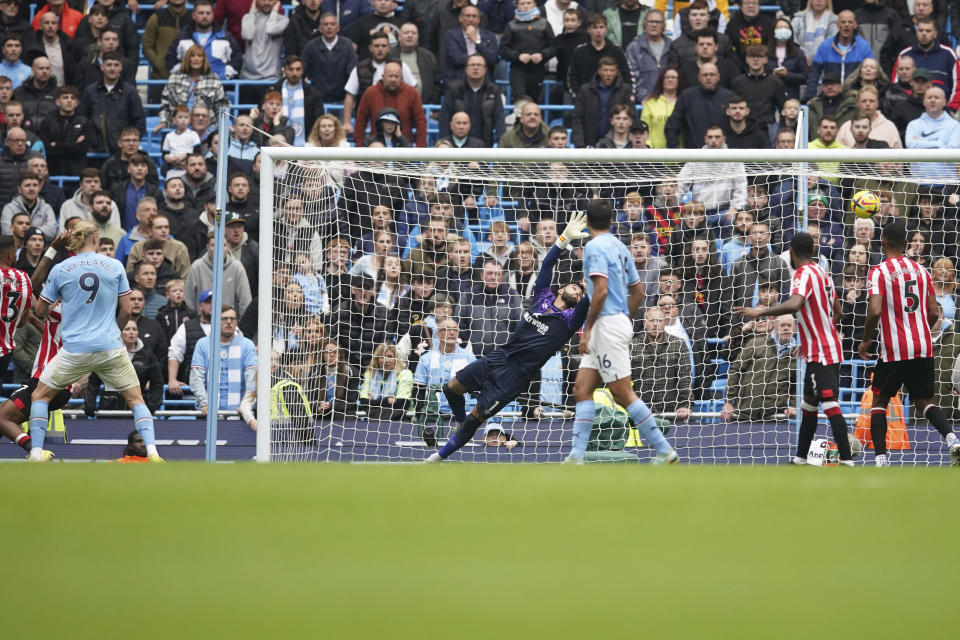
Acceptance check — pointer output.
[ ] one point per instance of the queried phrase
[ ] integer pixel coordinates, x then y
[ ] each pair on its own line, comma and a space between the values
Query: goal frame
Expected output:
270, 155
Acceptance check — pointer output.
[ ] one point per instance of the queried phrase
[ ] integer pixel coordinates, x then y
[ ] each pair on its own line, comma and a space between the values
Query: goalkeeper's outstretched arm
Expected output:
573, 231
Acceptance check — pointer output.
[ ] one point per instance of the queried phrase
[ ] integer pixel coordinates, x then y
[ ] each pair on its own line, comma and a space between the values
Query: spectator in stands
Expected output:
498, 248
368, 73
96, 20
301, 103
456, 277
477, 96
414, 306
830, 102
739, 129
878, 23
661, 367
145, 211
649, 54
148, 373
648, 265
112, 104
89, 71
760, 379
698, 21
459, 43
940, 230
13, 114
120, 20
175, 207
749, 26
827, 139
739, 244
944, 277
594, 103
13, 161
38, 93
184, 342
238, 375
29, 201
696, 108
708, 53
150, 330
624, 20
722, 196
360, 322
530, 131
879, 130
173, 250
11, 65
330, 60
179, 143
659, 105
490, 311
69, 18
19, 225
459, 136
383, 18
160, 32
871, 75
813, 25
586, 57
618, 133
6, 95
144, 276
220, 48
200, 183
67, 136
153, 254
82, 204
129, 192
269, 121
391, 91
829, 60
242, 247
527, 43
786, 61
421, 62
935, 129
175, 312
853, 296
114, 170
304, 25
387, 385
50, 192
570, 35
262, 31
242, 149
10, 19
765, 92
910, 109
236, 287
200, 121
759, 262
939, 59
193, 82
31, 251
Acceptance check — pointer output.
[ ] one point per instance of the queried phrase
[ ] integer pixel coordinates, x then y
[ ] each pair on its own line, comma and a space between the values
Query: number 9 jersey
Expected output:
904, 287
88, 285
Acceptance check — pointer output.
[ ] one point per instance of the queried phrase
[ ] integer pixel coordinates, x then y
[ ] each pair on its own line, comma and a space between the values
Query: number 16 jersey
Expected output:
904, 328
88, 285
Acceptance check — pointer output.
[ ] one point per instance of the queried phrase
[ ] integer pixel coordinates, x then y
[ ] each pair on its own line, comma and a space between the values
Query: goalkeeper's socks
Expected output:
461, 436
143, 422
457, 403
23, 441
643, 418
39, 414
934, 414
582, 425
878, 430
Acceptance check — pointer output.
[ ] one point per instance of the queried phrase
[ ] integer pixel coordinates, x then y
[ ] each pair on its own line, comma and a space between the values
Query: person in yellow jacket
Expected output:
659, 105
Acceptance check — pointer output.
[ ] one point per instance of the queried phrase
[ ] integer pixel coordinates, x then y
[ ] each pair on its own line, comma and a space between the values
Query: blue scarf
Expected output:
294, 110
383, 386
527, 16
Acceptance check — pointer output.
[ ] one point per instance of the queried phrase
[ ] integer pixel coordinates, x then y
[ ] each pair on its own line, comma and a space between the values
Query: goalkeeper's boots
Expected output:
882, 460
670, 457
955, 454
45, 456
572, 460
155, 458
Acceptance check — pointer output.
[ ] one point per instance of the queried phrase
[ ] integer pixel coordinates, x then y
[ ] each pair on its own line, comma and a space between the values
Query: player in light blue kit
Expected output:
89, 286
615, 292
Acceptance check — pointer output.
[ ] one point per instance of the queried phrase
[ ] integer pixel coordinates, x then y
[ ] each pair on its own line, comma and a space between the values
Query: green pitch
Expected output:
454, 551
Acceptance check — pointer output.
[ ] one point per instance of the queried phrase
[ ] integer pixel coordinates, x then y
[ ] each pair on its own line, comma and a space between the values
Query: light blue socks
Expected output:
39, 415
582, 425
643, 418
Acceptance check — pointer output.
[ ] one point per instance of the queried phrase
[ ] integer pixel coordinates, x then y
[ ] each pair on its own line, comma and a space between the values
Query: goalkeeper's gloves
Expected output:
575, 230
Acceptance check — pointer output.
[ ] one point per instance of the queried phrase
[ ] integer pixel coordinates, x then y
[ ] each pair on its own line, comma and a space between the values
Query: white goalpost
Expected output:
383, 271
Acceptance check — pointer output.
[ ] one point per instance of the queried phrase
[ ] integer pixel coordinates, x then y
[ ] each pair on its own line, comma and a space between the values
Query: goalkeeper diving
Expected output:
496, 379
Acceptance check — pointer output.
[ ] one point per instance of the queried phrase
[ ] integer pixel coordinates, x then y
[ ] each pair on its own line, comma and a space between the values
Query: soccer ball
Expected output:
865, 204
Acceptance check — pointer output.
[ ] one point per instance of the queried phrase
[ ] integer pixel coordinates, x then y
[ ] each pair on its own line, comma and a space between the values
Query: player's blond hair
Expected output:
80, 234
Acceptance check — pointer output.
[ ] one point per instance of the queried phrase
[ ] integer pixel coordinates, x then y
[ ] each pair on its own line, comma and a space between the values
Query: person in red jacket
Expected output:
391, 91
69, 18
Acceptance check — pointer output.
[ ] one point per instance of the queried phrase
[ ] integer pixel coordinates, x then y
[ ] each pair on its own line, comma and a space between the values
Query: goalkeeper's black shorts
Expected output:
21, 397
493, 381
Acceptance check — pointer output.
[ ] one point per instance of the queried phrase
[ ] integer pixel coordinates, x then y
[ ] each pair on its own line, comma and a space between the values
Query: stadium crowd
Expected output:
384, 284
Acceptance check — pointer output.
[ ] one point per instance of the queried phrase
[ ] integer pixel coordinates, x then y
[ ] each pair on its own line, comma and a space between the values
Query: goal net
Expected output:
392, 269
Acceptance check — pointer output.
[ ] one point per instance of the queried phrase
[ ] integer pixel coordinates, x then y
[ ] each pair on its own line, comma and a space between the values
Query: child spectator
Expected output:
387, 385
179, 143
175, 312
500, 248
271, 121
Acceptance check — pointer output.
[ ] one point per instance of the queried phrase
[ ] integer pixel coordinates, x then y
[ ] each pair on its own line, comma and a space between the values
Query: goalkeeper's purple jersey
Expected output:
543, 329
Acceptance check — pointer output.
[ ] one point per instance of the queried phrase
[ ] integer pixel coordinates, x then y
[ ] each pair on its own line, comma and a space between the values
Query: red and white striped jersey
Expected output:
904, 286
819, 340
50, 342
16, 296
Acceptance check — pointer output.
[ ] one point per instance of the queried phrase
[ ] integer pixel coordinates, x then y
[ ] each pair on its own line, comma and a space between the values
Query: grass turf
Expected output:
189, 550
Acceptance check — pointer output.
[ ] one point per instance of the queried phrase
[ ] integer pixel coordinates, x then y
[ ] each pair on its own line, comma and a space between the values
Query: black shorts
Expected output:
822, 381
497, 381
916, 375
5, 362
21, 398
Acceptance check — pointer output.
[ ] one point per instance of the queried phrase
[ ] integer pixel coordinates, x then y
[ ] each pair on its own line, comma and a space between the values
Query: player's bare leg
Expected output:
938, 420
142, 419
10, 419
